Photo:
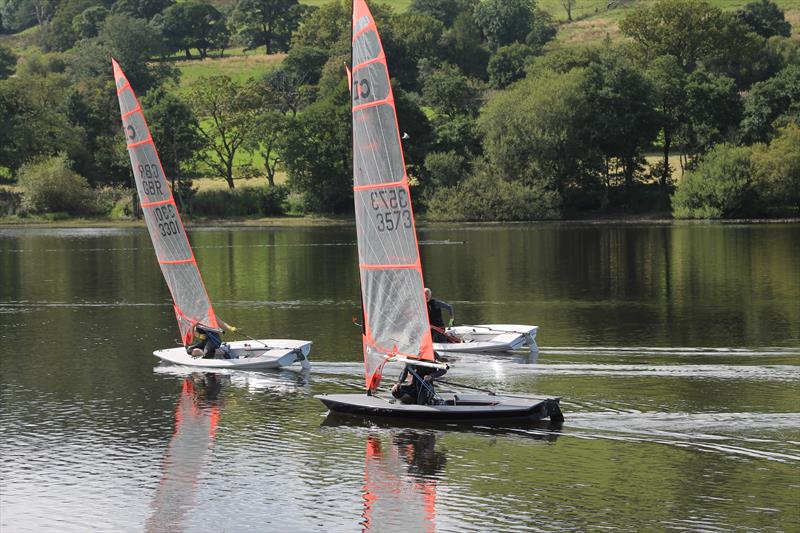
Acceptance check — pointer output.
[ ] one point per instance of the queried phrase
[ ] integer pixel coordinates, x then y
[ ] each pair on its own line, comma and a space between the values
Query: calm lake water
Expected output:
676, 350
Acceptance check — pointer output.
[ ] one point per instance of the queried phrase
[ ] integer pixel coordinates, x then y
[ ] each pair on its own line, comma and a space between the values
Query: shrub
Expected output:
722, 186
777, 168
507, 65
252, 201
9, 202
485, 196
446, 168
113, 201
50, 185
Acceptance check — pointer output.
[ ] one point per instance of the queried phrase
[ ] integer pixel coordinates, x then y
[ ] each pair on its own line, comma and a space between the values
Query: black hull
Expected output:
477, 409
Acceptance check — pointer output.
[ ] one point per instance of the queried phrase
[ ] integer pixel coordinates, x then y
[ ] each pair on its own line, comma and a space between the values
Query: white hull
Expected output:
246, 355
487, 338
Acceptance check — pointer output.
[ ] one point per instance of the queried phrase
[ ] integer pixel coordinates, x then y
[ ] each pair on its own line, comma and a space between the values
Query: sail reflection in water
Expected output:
399, 482
196, 417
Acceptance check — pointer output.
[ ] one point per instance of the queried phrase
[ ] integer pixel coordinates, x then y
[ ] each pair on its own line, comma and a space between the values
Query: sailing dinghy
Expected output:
176, 258
489, 338
395, 324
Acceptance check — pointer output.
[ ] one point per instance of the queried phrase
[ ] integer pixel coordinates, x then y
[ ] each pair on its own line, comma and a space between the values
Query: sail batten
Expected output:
167, 233
392, 289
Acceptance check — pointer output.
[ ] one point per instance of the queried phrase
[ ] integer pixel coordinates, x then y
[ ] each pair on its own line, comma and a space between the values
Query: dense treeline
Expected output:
499, 123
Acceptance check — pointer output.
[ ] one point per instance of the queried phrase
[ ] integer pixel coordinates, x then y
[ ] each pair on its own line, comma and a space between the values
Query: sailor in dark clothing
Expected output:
208, 341
416, 383
435, 316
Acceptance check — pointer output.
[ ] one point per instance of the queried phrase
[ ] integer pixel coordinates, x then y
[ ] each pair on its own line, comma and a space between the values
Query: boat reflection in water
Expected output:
400, 478
196, 417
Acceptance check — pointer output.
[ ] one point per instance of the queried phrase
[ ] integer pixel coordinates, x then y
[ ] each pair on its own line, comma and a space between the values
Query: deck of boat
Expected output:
455, 407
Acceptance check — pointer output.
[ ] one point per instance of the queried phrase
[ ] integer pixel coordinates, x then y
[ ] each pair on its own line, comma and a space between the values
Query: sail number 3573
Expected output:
390, 209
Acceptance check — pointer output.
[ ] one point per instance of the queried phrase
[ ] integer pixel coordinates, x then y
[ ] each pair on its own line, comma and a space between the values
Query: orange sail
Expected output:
395, 311
173, 251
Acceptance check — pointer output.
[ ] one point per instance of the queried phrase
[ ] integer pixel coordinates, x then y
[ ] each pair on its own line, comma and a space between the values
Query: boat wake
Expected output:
736, 434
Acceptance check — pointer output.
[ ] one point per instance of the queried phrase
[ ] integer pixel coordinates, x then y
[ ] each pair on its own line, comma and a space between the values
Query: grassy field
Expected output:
593, 20
236, 63
218, 184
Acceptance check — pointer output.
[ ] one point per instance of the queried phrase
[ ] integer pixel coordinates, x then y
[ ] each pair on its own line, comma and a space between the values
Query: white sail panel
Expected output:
173, 251
392, 289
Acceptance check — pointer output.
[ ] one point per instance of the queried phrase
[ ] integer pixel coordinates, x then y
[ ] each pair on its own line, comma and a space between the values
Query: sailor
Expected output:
416, 383
208, 341
435, 316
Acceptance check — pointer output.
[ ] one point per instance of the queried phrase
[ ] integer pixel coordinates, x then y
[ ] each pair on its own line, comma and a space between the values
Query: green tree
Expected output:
36, 123
777, 168
722, 186
415, 129
194, 24
21, 14
445, 11
132, 42
446, 168
507, 64
504, 21
543, 30
770, 103
463, 46
268, 23
175, 132
449, 91
688, 30
713, 110
410, 38
8, 62
765, 18
87, 24
325, 28
289, 88
668, 80
91, 106
535, 132
317, 154
622, 121
228, 114
281, 101
60, 34
305, 63
146, 9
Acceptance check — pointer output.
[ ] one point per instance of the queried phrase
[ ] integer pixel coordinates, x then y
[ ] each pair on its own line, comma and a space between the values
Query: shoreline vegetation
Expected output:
509, 110
319, 221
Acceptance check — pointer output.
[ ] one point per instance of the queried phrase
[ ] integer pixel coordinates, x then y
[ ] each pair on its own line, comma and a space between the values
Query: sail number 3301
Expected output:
167, 220
390, 209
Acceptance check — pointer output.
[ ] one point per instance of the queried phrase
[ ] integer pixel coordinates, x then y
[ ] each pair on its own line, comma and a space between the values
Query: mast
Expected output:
173, 251
392, 289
